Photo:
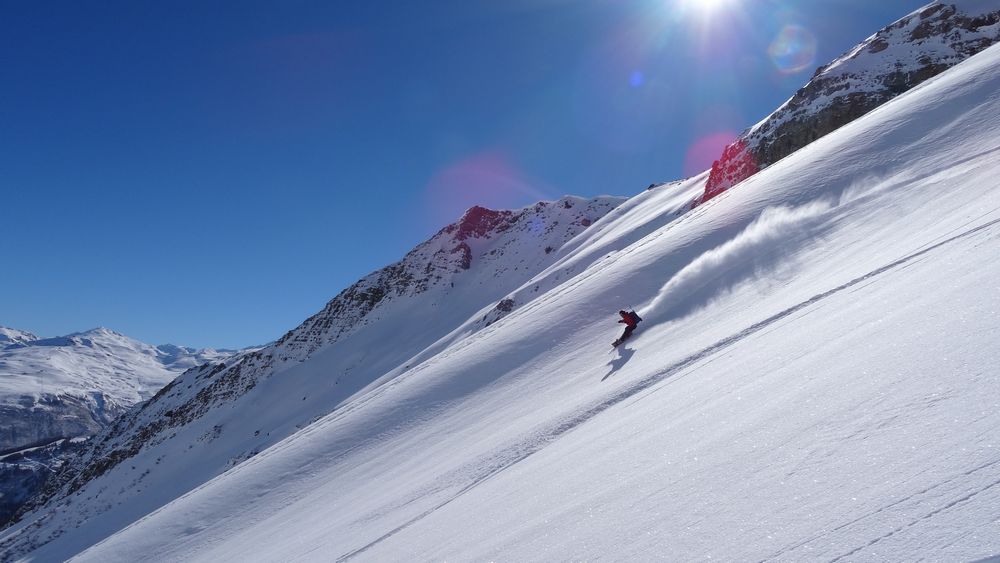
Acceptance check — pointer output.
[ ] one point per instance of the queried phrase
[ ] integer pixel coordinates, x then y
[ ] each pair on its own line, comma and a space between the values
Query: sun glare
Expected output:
707, 6
700, 10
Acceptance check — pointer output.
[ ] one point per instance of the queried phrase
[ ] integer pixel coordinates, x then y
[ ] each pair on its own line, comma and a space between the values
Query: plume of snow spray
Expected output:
759, 247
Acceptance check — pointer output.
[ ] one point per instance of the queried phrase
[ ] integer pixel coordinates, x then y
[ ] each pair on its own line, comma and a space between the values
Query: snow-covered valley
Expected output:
817, 377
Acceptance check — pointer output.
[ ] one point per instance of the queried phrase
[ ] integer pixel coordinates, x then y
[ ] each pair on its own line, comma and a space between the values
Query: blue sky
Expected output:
211, 173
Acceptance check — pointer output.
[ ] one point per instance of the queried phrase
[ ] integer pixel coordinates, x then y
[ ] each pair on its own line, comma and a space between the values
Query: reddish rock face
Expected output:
479, 221
737, 164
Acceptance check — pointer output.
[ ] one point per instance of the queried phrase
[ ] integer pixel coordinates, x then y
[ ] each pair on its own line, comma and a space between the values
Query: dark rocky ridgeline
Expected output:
894, 60
434, 263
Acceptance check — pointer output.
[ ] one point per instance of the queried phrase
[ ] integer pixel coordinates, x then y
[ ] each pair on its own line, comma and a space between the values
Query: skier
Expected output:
631, 320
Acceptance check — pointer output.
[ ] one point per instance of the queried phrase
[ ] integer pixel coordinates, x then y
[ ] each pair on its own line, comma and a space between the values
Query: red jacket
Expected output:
629, 319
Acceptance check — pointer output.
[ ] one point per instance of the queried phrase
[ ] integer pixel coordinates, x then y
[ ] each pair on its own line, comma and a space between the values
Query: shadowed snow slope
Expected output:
817, 382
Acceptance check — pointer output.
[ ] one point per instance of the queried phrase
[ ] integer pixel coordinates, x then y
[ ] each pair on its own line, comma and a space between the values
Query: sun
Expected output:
716, 5
706, 7
706, 14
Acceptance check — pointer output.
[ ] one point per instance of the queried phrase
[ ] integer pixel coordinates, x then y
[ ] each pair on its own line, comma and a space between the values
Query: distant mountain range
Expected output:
56, 391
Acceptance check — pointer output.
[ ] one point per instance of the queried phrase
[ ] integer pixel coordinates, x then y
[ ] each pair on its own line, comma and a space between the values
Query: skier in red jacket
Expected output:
631, 320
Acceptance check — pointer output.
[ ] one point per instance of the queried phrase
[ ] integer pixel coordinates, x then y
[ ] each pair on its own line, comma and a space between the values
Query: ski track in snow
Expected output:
483, 470
966, 496
916, 499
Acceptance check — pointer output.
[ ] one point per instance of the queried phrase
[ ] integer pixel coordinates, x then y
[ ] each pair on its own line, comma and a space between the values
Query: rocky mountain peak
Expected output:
485, 237
11, 336
887, 64
479, 222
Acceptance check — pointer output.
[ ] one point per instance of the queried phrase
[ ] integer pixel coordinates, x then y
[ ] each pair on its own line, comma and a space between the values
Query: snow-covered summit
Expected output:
11, 336
886, 64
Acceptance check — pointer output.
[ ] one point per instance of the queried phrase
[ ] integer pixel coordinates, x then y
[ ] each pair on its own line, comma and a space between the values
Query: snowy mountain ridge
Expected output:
10, 336
504, 245
465, 269
888, 63
100, 367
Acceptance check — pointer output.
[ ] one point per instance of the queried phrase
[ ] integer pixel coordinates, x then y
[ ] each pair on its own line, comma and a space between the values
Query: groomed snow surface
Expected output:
817, 378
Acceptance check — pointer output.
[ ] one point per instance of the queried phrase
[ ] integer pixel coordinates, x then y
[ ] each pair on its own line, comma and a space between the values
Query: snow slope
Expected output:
816, 379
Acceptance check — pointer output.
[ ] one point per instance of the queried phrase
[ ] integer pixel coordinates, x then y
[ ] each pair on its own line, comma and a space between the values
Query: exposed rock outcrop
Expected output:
887, 64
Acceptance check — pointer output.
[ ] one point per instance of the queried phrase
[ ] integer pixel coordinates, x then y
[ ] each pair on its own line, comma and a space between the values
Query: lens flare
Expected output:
618, 99
793, 50
713, 5
707, 7
704, 151
490, 179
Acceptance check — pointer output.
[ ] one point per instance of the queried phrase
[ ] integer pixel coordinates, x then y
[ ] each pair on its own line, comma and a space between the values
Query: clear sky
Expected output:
211, 173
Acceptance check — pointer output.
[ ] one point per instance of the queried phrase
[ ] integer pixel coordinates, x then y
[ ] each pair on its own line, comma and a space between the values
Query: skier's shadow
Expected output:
624, 355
